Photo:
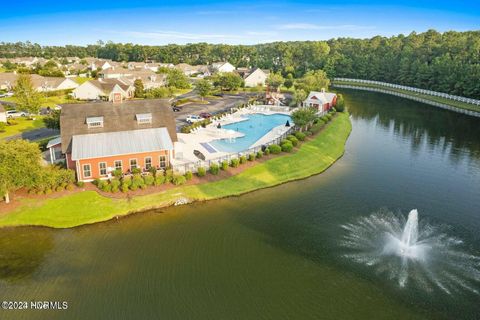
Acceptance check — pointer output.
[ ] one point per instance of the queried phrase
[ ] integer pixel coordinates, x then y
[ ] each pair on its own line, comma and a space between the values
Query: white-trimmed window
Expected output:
163, 162
144, 118
87, 171
133, 164
118, 165
148, 163
94, 122
102, 168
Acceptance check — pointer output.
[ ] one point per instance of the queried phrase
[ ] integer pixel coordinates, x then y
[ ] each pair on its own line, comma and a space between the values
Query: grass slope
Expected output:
312, 158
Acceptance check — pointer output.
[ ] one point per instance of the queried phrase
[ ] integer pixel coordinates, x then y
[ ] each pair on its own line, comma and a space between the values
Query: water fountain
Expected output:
411, 253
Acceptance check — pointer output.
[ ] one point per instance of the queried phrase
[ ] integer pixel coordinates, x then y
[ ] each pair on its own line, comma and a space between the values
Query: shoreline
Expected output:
88, 207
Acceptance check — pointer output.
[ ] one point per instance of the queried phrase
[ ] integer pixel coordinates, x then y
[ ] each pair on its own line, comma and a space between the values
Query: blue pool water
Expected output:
254, 128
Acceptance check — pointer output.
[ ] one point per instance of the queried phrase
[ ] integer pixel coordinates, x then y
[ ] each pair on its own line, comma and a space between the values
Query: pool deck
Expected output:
188, 142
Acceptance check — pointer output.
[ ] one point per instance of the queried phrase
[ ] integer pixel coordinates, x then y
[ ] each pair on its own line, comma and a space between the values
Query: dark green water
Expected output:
271, 254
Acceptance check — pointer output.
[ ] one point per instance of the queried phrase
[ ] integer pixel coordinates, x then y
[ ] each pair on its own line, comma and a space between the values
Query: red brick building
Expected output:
98, 138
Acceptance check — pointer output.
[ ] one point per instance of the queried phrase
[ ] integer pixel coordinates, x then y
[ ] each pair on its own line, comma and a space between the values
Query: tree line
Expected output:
447, 62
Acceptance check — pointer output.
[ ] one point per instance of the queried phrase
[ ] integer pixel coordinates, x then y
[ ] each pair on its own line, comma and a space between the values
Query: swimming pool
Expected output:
255, 127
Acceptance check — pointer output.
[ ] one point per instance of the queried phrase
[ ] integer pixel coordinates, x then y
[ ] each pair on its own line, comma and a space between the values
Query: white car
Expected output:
11, 114
193, 118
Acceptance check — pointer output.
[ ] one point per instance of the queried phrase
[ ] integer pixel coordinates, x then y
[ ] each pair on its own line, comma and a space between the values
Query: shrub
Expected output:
69, 187
117, 173
234, 163
106, 187
100, 183
149, 180
214, 169
178, 180
275, 149
251, 157
59, 188
159, 179
127, 181
115, 185
2, 126
124, 188
300, 136
292, 139
325, 119
287, 146
48, 191
168, 175
259, 154
243, 159
136, 170
308, 133
80, 184
97, 182
267, 151
188, 175
224, 165
316, 128
153, 171
201, 172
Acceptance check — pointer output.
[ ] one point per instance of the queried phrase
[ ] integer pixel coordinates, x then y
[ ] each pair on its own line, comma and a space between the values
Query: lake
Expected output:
275, 253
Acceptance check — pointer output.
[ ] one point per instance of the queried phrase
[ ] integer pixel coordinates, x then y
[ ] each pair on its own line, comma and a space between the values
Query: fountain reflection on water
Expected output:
425, 256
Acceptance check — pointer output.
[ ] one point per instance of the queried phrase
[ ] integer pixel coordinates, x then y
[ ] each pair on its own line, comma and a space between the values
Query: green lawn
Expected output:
312, 158
458, 104
22, 125
179, 92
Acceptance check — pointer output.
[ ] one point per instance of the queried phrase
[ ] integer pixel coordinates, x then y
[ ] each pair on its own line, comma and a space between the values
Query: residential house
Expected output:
100, 64
42, 84
253, 77
187, 69
3, 114
322, 101
104, 89
222, 67
149, 79
98, 138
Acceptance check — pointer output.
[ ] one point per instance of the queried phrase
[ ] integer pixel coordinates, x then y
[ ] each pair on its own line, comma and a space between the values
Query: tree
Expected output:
275, 80
288, 81
313, 81
177, 79
340, 106
139, 90
52, 121
227, 81
28, 99
19, 165
303, 116
204, 87
299, 96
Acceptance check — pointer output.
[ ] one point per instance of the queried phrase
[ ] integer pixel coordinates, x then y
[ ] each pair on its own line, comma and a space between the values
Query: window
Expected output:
144, 118
163, 162
148, 163
133, 164
102, 166
87, 171
94, 122
118, 165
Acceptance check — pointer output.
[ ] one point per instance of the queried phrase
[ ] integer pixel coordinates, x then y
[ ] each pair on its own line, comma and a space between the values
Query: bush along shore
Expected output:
301, 155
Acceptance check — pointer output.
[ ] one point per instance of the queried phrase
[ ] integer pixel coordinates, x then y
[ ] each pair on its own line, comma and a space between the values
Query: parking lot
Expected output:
214, 106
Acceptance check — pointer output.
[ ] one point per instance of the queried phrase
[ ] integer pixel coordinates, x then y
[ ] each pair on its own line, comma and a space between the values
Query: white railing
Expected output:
407, 96
413, 89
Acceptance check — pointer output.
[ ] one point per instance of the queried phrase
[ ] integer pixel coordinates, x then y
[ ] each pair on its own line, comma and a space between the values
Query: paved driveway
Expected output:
35, 134
215, 105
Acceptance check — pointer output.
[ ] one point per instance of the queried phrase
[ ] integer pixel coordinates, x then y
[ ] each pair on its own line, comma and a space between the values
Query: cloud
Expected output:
311, 26
260, 33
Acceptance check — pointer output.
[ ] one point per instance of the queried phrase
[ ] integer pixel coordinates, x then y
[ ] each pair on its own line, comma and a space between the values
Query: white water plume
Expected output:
423, 255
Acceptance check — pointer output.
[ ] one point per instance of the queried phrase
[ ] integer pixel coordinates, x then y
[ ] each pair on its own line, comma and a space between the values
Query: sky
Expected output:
231, 22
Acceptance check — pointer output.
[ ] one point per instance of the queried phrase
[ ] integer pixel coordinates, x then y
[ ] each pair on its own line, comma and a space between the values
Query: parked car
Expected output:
11, 114
176, 109
193, 118
205, 115
7, 94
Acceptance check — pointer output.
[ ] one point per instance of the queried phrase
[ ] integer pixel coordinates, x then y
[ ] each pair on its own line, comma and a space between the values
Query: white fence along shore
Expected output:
473, 102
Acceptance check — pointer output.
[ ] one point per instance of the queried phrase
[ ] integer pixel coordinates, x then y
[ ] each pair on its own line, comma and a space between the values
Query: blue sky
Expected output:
163, 22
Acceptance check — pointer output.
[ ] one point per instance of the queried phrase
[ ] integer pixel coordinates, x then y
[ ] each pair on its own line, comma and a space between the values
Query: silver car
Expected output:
11, 114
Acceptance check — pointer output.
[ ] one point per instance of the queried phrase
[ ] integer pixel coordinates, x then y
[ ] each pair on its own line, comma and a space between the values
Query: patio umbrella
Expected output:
287, 124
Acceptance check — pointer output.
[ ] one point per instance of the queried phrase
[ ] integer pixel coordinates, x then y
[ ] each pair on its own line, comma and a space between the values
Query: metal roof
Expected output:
54, 142
108, 144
